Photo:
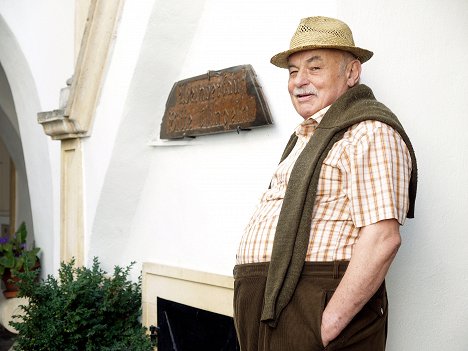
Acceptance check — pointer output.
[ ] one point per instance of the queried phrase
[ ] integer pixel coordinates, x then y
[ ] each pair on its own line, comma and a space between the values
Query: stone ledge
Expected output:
207, 291
60, 127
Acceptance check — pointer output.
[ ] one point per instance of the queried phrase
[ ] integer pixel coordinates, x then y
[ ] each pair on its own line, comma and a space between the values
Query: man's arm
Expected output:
372, 255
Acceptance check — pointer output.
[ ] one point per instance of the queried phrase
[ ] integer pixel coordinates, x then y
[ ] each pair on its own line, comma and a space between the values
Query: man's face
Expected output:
316, 79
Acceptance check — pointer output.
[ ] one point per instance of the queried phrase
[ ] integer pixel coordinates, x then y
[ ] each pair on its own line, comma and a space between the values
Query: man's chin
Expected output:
306, 113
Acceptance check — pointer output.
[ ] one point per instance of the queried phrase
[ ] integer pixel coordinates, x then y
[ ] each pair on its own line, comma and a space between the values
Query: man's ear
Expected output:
353, 73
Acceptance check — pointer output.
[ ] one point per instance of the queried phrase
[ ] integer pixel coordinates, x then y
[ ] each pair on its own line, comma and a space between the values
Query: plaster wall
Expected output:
187, 205
6, 101
36, 53
44, 30
111, 110
151, 187
418, 70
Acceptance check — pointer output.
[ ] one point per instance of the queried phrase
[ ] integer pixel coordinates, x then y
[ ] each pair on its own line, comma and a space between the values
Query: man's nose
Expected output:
301, 78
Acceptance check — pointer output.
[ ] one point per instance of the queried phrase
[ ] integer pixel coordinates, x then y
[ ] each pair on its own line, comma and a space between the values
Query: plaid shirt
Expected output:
364, 179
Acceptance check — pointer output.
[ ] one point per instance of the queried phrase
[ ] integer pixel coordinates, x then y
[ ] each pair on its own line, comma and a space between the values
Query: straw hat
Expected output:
321, 33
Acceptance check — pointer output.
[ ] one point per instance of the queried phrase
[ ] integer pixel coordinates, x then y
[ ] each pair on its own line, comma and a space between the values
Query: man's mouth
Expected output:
304, 97
304, 94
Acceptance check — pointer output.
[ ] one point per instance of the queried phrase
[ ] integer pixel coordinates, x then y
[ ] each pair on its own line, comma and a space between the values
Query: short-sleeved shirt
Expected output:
364, 179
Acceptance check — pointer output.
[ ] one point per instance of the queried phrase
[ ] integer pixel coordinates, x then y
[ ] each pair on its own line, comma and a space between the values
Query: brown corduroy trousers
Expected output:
298, 327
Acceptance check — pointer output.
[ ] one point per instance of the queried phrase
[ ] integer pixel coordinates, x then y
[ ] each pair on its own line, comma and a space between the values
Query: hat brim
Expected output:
281, 59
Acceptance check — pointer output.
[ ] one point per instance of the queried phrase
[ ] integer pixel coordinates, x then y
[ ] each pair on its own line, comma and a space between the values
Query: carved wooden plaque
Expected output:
219, 101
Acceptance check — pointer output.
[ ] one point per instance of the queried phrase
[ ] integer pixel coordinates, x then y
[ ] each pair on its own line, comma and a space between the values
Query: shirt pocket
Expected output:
331, 200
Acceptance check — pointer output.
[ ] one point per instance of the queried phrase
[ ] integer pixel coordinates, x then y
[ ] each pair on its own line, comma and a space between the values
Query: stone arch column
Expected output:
74, 119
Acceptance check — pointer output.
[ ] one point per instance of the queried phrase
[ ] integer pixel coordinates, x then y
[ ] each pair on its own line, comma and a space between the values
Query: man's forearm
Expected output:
372, 256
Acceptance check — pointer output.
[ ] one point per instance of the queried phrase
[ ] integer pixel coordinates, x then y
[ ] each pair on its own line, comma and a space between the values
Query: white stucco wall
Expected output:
418, 70
36, 52
187, 205
182, 40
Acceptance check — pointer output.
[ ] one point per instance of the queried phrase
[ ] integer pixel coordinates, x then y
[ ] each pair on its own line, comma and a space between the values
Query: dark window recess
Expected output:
185, 328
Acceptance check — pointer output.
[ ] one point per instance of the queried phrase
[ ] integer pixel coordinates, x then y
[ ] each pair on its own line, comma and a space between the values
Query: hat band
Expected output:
316, 38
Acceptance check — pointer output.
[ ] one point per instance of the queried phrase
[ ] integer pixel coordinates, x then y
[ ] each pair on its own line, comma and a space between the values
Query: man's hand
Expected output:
372, 255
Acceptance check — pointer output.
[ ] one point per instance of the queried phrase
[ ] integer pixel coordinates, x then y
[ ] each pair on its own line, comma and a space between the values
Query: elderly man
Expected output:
312, 261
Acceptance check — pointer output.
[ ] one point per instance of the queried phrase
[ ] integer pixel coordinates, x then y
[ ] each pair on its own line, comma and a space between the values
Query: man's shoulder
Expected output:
367, 130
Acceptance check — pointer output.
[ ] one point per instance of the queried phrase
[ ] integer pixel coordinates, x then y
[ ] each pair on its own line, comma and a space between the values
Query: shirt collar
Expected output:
308, 126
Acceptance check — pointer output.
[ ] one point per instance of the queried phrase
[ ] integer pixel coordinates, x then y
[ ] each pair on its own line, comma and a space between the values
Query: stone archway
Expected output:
28, 147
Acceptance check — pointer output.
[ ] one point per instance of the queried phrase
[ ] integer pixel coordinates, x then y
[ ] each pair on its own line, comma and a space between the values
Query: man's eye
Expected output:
314, 68
292, 72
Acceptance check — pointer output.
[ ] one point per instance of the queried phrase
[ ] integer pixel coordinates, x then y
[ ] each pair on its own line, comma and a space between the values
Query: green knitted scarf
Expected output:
293, 230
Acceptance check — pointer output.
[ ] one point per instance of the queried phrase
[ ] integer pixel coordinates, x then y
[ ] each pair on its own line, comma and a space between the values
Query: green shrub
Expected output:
84, 309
